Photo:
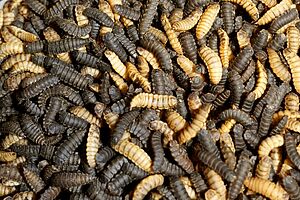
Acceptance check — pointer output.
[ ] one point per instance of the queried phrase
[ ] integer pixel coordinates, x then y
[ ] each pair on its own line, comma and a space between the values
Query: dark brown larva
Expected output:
242, 60
114, 45
98, 16
283, 20
240, 116
290, 146
69, 179
127, 12
65, 45
71, 28
147, 15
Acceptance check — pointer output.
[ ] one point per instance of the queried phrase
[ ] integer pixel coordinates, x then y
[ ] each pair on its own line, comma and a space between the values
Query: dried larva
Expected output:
10, 49
154, 101
116, 63
178, 188
170, 32
147, 16
225, 51
65, 45
72, 28
189, 22
213, 64
236, 87
149, 57
206, 20
135, 154
12, 83
292, 187
266, 188
277, 66
162, 127
136, 77
92, 145
32, 130
293, 60
36, 183
83, 113
293, 35
50, 193
274, 12
23, 35
70, 179
159, 34
175, 120
270, 143
290, 146
284, 19
228, 13
188, 44
181, 157
262, 80
199, 120
147, 184
127, 12
6, 190
158, 50
292, 102
263, 168
215, 182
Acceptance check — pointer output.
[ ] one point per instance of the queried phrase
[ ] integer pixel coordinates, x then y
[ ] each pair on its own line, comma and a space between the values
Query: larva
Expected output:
162, 127
293, 35
186, 65
180, 156
266, 188
189, 46
262, 80
228, 13
213, 64
127, 12
147, 184
9, 37
199, 120
277, 66
270, 143
10, 49
147, 16
116, 63
292, 102
98, 16
189, 22
142, 66
149, 57
293, 61
249, 6
290, 146
35, 182
206, 20
170, 32
65, 45
278, 41
82, 112
225, 51
284, 19
23, 35
70, 179
135, 154
92, 145
215, 182
178, 188
136, 77
274, 12
263, 168
159, 34
175, 120
154, 101
72, 28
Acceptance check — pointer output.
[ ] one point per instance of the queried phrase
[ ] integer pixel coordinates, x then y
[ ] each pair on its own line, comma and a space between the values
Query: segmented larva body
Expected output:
292, 102
186, 65
266, 188
147, 184
294, 63
270, 143
6, 156
275, 11
225, 51
293, 38
134, 153
293, 124
159, 34
82, 112
212, 194
216, 183
119, 81
6, 190
206, 20
142, 66
136, 77
10, 49
277, 66
27, 66
213, 64
116, 63
199, 120
263, 168
269, 3
170, 32
92, 145
162, 127
262, 80
151, 59
154, 101
189, 22
249, 6
23, 35
175, 121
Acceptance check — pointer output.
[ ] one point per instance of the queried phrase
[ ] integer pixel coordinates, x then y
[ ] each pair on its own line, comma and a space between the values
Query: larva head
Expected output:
172, 101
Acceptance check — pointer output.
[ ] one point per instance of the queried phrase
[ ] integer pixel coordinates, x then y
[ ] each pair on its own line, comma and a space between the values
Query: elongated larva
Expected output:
154, 101
116, 63
135, 154
294, 62
225, 51
170, 32
206, 20
10, 49
23, 35
266, 188
262, 80
136, 77
274, 12
277, 66
189, 22
213, 64
93, 144
146, 185
293, 35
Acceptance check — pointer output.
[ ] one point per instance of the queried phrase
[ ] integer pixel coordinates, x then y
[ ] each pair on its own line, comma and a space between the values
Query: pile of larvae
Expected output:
150, 99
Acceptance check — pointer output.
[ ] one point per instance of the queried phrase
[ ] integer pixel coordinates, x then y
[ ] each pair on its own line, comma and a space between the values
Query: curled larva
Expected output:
189, 22
147, 184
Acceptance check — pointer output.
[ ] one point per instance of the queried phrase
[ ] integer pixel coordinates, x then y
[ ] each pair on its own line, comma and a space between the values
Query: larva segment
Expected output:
135, 154
6, 190
274, 12
159, 34
175, 120
270, 143
206, 20
189, 22
162, 127
266, 188
264, 167
154, 101
213, 64
293, 38
82, 112
146, 185
93, 144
